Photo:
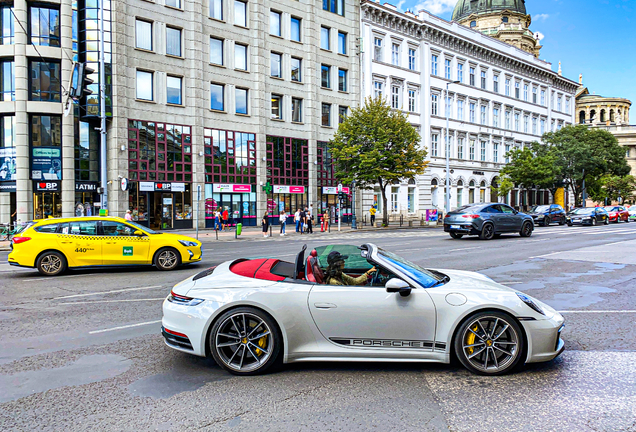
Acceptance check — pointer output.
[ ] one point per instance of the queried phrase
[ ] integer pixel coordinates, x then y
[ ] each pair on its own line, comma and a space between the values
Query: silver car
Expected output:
487, 220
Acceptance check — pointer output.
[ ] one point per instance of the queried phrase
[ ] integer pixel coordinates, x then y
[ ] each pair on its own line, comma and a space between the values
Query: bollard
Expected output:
401, 219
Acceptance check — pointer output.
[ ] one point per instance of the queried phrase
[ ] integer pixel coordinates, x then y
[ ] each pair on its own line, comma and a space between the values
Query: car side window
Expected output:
506, 209
88, 228
493, 209
50, 228
111, 228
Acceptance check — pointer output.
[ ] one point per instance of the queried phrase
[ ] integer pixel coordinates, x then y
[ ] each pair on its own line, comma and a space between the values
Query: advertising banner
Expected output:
7, 164
226, 187
46, 163
47, 186
289, 189
333, 190
431, 215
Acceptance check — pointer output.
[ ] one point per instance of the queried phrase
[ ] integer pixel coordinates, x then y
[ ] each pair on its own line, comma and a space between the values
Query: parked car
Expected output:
617, 213
487, 220
587, 216
546, 214
632, 213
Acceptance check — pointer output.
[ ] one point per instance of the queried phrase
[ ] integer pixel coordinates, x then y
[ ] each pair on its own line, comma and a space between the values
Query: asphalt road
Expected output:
83, 351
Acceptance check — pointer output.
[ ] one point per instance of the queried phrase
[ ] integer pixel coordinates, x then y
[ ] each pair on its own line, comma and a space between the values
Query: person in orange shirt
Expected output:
225, 217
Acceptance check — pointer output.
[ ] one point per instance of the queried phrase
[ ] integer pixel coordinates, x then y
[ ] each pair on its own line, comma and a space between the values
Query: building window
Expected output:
45, 26
395, 54
143, 35
412, 64
377, 49
377, 89
471, 150
394, 198
552, 101
559, 103
325, 43
287, 163
495, 117
525, 124
216, 51
495, 83
295, 29
447, 107
144, 85
296, 65
434, 144
460, 148
342, 43
326, 114
434, 65
86, 152
241, 100
6, 23
460, 192
45, 81
483, 151
460, 72
543, 97
342, 80
7, 81
507, 125
230, 157
447, 68
567, 106
275, 59
525, 92
411, 199
483, 80
460, 110
174, 3
274, 23
507, 151
277, 106
534, 95
412, 100
342, 113
173, 41
216, 9
325, 75
471, 112
507, 87
240, 13
217, 97
173, 90
517, 90
434, 100
297, 110
542, 123
335, 6
395, 97
517, 122
495, 152
473, 24
534, 125
471, 73
482, 117
240, 56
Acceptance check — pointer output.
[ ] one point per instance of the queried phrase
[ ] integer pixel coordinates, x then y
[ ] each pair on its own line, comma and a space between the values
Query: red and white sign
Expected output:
333, 190
226, 187
289, 189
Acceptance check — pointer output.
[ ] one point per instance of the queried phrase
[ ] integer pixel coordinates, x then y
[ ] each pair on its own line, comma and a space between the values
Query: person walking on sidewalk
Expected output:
283, 222
226, 216
128, 215
297, 220
303, 220
308, 216
372, 211
265, 224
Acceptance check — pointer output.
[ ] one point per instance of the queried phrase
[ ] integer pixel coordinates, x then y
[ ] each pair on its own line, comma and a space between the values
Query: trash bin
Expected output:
239, 228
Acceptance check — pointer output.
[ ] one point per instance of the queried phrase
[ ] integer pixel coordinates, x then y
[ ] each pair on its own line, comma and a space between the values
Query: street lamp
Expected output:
447, 192
354, 224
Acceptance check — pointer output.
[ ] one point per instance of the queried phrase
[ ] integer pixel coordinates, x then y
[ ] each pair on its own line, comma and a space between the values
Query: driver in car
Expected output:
335, 275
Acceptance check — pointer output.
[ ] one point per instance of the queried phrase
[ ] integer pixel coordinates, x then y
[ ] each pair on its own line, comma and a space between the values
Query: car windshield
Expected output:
421, 275
354, 260
471, 208
612, 208
539, 209
141, 227
583, 211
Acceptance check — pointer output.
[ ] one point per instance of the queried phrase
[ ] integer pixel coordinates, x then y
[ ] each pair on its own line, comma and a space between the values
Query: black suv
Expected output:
546, 214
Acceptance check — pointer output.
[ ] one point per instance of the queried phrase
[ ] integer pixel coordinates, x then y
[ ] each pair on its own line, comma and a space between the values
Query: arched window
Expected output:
593, 116
411, 193
471, 192
582, 117
482, 191
612, 115
603, 115
460, 193
473, 23
434, 194
504, 19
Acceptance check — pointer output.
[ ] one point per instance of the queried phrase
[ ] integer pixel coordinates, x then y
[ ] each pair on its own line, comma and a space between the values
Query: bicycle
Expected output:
7, 232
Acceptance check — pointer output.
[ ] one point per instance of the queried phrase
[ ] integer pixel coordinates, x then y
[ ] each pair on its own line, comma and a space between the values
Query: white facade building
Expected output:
504, 98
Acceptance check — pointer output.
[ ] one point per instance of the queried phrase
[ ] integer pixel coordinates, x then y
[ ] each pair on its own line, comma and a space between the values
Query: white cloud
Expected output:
540, 17
400, 4
436, 7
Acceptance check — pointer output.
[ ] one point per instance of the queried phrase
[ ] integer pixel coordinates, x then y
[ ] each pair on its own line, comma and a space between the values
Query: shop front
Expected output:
329, 200
47, 199
288, 198
87, 201
239, 200
161, 205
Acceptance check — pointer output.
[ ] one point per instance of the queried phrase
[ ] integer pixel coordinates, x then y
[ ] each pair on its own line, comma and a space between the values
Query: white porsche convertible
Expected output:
349, 303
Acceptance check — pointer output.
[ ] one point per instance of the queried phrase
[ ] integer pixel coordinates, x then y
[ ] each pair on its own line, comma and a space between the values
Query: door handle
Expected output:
325, 305
66, 242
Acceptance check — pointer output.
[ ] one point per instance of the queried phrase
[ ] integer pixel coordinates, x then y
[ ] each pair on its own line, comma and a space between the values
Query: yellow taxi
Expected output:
53, 245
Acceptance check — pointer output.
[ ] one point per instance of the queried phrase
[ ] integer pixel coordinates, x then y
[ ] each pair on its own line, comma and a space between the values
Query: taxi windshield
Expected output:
421, 275
141, 227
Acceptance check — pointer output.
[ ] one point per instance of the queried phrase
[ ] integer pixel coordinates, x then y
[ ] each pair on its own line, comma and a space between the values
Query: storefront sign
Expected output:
478, 172
86, 187
8, 186
46, 186
289, 189
178, 187
7, 163
161, 187
226, 187
46, 163
333, 190
146, 186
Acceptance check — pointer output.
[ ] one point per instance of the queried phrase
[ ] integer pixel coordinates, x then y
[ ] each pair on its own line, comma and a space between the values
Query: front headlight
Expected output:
530, 302
188, 243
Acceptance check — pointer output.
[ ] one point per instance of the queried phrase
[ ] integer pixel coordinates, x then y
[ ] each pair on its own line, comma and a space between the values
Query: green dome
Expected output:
464, 8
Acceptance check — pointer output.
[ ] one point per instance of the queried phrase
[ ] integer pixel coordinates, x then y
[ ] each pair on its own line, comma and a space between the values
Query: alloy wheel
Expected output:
167, 259
51, 264
244, 342
487, 231
490, 344
594, 221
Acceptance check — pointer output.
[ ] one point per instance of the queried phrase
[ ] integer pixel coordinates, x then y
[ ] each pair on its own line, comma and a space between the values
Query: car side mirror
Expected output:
515, 212
396, 285
138, 233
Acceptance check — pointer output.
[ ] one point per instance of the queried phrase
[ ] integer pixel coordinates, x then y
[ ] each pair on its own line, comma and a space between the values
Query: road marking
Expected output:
461, 249
107, 292
49, 278
598, 311
510, 283
414, 249
111, 301
541, 256
124, 327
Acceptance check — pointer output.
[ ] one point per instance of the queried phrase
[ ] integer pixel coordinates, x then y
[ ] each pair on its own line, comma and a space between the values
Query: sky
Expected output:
596, 38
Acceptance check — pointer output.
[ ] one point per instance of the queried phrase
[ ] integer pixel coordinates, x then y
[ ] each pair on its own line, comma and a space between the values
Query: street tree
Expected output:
612, 187
530, 167
376, 145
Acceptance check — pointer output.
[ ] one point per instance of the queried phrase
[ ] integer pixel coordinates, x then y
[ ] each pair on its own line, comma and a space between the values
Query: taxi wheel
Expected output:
167, 259
51, 263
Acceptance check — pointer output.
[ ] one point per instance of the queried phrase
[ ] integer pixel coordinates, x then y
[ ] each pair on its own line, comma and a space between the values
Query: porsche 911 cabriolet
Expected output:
349, 303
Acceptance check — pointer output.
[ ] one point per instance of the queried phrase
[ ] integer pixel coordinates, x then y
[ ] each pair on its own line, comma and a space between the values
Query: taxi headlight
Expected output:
530, 302
188, 243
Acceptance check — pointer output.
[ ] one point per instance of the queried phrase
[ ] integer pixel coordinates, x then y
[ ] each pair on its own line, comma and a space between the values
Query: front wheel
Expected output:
489, 343
245, 341
606, 221
562, 221
546, 221
51, 263
455, 235
594, 221
487, 231
167, 259
526, 230
570, 224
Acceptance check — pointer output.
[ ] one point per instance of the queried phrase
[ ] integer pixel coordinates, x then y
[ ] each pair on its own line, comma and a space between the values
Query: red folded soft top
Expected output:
257, 269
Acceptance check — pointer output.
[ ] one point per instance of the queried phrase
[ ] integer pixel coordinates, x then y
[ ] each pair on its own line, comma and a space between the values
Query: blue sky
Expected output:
594, 37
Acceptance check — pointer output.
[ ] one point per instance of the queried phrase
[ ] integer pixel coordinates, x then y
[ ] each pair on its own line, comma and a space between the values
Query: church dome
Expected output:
465, 8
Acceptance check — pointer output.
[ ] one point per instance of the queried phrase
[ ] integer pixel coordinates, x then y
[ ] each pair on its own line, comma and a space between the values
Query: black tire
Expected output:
627, 220
546, 221
562, 221
167, 259
455, 235
225, 355
605, 221
487, 231
570, 224
51, 263
526, 229
594, 221
488, 324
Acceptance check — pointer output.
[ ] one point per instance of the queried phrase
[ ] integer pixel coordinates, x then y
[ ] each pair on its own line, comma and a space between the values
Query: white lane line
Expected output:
51, 279
541, 256
107, 292
124, 327
461, 249
413, 249
510, 283
599, 311
111, 301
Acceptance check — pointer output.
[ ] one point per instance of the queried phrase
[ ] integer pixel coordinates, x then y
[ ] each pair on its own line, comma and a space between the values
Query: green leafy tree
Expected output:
611, 187
376, 145
530, 167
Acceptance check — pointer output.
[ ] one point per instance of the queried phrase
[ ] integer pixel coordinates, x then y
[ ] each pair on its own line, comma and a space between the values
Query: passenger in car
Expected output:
335, 275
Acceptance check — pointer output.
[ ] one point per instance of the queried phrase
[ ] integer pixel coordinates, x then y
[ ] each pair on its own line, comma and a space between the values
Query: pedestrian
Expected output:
303, 221
217, 219
372, 211
297, 220
325, 219
265, 224
225, 218
283, 221
308, 216
128, 215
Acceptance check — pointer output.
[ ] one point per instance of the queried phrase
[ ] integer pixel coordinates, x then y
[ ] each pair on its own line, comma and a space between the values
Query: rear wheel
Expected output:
562, 221
546, 221
51, 263
167, 259
570, 224
593, 221
487, 231
526, 230
455, 235
489, 343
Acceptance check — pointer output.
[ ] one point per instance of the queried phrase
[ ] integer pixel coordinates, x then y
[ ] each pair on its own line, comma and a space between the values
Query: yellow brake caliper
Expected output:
471, 339
261, 342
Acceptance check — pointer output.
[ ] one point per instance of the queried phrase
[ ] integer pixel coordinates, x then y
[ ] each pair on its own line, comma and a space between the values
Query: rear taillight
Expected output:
471, 216
18, 240
172, 332
183, 300
448, 215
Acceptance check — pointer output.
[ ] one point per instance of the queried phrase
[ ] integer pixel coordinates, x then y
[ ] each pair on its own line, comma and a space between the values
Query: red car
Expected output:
617, 213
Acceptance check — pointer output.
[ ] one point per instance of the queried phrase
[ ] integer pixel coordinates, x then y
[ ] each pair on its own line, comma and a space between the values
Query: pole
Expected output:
197, 210
354, 224
102, 109
447, 192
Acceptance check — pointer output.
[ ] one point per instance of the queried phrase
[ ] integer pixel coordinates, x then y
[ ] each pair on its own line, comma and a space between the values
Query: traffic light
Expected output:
80, 81
341, 196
